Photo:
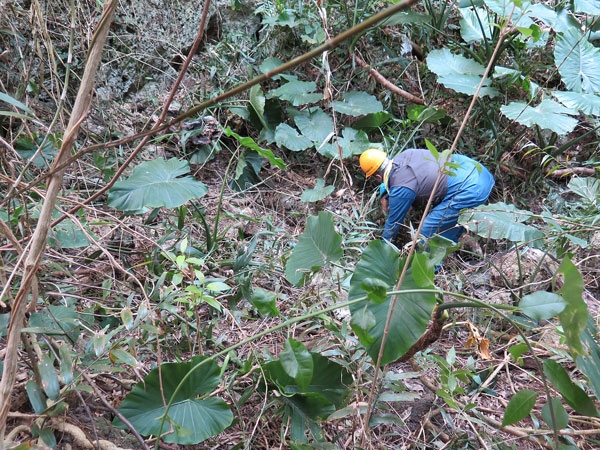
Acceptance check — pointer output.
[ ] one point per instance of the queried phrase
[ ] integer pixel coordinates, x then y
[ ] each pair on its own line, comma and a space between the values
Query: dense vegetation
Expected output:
190, 257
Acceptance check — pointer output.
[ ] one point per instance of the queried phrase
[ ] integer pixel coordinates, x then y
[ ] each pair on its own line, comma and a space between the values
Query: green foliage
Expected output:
577, 101
319, 245
548, 114
358, 103
475, 25
319, 192
542, 305
193, 420
297, 362
322, 394
560, 414
519, 407
459, 73
296, 92
500, 221
154, 184
411, 313
578, 62
571, 393
575, 315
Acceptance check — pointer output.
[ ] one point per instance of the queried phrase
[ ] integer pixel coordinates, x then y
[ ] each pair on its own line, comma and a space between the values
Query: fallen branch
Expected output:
583, 171
388, 84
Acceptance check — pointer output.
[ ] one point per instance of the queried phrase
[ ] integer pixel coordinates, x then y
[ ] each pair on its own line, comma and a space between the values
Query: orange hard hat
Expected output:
371, 160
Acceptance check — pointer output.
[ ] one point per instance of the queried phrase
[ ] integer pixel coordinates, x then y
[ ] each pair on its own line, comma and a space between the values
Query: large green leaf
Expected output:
560, 414
257, 103
578, 62
319, 245
588, 188
577, 101
548, 114
500, 221
154, 184
297, 362
475, 25
459, 73
265, 302
297, 92
411, 313
572, 394
68, 235
358, 103
353, 142
519, 406
319, 192
289, 137
193, 420
520, 14
574, 317
326, 391
542, 305
316, 125
588, 7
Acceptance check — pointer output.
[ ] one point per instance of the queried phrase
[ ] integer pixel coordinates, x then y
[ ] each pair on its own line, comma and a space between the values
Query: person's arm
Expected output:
401, 199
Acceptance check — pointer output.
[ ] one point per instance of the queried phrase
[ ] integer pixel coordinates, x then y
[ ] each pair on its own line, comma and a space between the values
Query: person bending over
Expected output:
409, 179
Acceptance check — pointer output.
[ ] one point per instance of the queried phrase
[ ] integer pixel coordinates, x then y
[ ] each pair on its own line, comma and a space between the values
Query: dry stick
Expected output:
328, 45
583, 171
503, 33
40, 235
388, 84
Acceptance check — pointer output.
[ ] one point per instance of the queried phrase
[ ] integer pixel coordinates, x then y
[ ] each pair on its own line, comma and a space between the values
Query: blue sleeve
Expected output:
401, 199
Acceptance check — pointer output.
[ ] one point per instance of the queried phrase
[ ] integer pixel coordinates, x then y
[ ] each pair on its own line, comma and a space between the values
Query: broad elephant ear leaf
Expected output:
577, 101
193, 420
548, 114
319, 245
154, 184
459, 73
578, 62
357, 103
412, 310
500, 221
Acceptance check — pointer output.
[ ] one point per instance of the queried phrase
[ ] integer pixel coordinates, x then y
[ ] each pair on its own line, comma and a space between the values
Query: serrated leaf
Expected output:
154, 184
459, 73
319, 244
297, 92
319, 192
519, 406
542, 305
578, 62
560, 414
500, 221
586, 103
193, 420
475, 25
264, 302
315, 125
357, 103
548, 114
297, 362
353, 142
289, 137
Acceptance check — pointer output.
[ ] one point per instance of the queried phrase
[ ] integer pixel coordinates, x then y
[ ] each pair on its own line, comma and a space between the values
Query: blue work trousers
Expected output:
468, 188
